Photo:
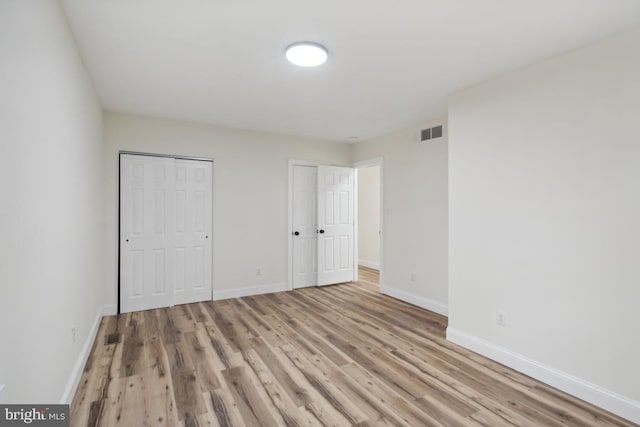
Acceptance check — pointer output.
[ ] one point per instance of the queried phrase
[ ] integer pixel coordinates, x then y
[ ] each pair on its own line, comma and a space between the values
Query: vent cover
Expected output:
113, 338
431, 133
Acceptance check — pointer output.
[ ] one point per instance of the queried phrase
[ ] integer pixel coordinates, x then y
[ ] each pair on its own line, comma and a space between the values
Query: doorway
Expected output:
369, 216
165, 231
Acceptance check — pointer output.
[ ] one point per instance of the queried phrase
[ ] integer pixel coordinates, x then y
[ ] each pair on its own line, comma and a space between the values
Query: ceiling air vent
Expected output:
431, 133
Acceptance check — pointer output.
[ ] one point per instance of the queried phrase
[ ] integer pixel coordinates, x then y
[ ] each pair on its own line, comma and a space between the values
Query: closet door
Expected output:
146, 199
192, 247
165, 232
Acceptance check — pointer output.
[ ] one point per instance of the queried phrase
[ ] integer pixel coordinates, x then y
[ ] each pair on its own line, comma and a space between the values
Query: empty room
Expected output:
287, 213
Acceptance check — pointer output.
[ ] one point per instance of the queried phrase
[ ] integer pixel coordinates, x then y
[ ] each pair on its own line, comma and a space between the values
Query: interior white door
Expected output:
165, 232
335, 224
145, 218
192, 247
305, 243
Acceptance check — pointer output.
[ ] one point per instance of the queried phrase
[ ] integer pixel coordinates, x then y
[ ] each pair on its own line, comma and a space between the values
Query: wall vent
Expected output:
431, 133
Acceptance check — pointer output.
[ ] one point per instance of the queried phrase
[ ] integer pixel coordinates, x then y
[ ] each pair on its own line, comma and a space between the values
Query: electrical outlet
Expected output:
413, 277
501, 318
73, 334
258, 272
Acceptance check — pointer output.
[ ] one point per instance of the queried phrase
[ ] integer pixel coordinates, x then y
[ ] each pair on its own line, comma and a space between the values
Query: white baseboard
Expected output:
109, 310
76, 372
369, 264
426, 303
594, 394
246, 292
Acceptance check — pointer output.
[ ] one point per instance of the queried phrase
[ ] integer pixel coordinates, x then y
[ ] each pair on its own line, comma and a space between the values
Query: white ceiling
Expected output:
391, 64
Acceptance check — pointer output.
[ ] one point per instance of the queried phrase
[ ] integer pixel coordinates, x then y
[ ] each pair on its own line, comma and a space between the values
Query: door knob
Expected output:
321, 232
296, 233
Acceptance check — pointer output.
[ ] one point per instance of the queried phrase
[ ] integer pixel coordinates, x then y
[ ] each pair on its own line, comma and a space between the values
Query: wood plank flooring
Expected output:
335, 356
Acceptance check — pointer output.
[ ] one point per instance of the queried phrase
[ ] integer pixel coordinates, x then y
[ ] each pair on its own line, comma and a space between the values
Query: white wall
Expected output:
414, 176
369, 216
51, 191
250, 190
544, 173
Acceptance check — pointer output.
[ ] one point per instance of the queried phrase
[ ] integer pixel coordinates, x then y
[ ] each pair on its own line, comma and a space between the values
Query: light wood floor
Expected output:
338, 355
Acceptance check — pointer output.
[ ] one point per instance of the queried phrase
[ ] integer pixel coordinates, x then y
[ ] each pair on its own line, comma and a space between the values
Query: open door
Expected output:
336, 219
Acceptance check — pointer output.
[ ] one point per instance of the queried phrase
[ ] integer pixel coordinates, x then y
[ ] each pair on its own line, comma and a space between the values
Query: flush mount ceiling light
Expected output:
306, 54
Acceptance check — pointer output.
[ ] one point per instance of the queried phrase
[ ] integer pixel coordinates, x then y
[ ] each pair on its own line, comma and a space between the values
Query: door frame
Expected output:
118, 185
376, 161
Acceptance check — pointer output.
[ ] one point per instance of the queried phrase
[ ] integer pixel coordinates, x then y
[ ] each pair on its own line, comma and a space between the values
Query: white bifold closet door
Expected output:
165, 231
323, 225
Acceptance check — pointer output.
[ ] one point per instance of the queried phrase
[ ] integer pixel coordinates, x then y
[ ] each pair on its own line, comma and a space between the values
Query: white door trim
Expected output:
117, 203
371, 162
